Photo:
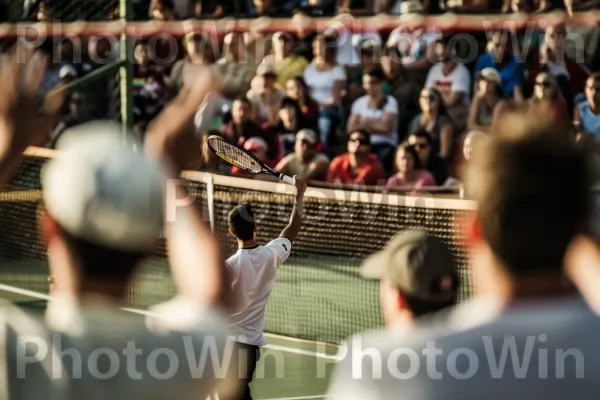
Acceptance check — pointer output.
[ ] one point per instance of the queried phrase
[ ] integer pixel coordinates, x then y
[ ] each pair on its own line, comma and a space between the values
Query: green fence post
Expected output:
126, 72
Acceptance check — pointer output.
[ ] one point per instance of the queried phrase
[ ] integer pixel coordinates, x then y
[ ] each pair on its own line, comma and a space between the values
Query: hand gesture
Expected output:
300, 185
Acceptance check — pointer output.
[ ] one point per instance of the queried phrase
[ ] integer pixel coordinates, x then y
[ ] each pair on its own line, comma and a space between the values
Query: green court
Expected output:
304, 300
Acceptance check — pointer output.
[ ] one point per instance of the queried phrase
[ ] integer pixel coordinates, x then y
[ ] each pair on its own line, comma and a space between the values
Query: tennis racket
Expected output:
241, 158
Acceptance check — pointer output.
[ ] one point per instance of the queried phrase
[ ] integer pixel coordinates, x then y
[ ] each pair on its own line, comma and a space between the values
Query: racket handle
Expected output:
286, 179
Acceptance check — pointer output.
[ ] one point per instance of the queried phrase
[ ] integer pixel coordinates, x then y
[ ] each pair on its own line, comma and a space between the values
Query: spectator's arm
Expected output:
423, 63
282, 166
446, 140
332, 171
382, 126
336, 93
518, 95
354, 123
577, 119
316, 170
472, 124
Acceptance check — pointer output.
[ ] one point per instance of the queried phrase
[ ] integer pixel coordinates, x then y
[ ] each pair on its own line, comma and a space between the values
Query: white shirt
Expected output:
253, 273
413, 44
361, 107
458, 80
321, 82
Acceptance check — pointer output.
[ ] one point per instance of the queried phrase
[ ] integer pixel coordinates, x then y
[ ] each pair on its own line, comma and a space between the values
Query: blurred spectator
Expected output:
415, 46
269, 8
584, 49
553, 59
358, 165
287, 64
163, 10
326, 80
546, 90
488, 98
242, 127
150, 91
357, 7
235, 66
434, 120
67, 74
80, 110
266, 99
197, 51
587, 114
469, 142
500, 57
57, 57
289, 121
453, 81
305, 162
258, 147
318, 8
298, 90
410, 171
403, 87
588, 145
370, 58
421, 141
377, 114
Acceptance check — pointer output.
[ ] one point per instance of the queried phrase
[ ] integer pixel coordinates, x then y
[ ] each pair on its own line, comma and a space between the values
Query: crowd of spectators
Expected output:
362, 107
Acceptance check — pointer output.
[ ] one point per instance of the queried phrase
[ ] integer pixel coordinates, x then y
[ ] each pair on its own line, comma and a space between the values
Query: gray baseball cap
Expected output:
420, 265
100, 190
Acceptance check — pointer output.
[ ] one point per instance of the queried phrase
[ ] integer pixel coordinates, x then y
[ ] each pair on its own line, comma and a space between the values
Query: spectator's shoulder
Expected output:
321, 158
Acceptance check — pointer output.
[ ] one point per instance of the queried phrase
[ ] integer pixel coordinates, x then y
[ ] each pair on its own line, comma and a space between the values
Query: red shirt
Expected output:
369, 173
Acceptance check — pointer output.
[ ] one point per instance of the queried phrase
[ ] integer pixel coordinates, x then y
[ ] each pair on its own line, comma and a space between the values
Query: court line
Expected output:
42, 296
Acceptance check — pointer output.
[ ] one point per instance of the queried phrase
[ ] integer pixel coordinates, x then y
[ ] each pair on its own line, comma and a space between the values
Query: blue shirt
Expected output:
512, 72
589, 121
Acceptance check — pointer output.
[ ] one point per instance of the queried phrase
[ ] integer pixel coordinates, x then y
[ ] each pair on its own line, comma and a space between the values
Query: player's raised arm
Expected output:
293, 228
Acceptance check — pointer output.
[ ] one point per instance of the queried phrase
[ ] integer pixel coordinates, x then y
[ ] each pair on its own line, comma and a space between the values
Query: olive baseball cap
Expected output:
419, 265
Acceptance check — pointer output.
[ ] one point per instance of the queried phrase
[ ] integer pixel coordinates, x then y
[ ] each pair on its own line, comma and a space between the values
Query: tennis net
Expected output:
319, 294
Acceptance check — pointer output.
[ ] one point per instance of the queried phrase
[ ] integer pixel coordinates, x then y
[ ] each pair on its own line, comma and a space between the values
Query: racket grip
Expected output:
286, 179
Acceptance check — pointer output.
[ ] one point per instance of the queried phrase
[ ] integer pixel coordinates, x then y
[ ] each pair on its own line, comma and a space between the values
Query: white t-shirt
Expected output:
321, 82
361, 107
458, 80
253, 272
411, 43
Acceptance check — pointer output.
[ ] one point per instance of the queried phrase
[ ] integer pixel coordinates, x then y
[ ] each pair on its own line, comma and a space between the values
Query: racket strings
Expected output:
235, 156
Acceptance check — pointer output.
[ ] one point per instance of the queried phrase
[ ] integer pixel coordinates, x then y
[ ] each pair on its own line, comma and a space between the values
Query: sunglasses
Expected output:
421, 146
360, 141
545, 84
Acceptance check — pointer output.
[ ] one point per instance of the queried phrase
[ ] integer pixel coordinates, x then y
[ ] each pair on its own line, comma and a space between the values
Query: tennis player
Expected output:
253, 269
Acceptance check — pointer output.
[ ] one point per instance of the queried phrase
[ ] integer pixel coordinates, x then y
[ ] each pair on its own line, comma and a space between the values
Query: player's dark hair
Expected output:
241, 222
419, 307
99, 262
532, 187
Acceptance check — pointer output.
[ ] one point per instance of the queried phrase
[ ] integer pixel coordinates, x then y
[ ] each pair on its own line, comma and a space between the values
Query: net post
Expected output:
210, 200
126, 70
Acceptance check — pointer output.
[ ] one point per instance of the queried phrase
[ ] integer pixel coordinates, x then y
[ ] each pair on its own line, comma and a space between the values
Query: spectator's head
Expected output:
421, 141
369, 52
263, 6
141, 53
325, 49
67, 73
103, 210
417, 275
195, 45
592, 89
46, 13
80, 106
289, 113
431, 102
411, 7
555, 38
407, 159
283, 44
442, 51
501, 44
531, 185
306, 143
359, 143
268, 76
489, 81
234, 44
241, 110
373, 79
297, 89
163, 10
470, 142
242, 224
100, 49
546, 87
258, 147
